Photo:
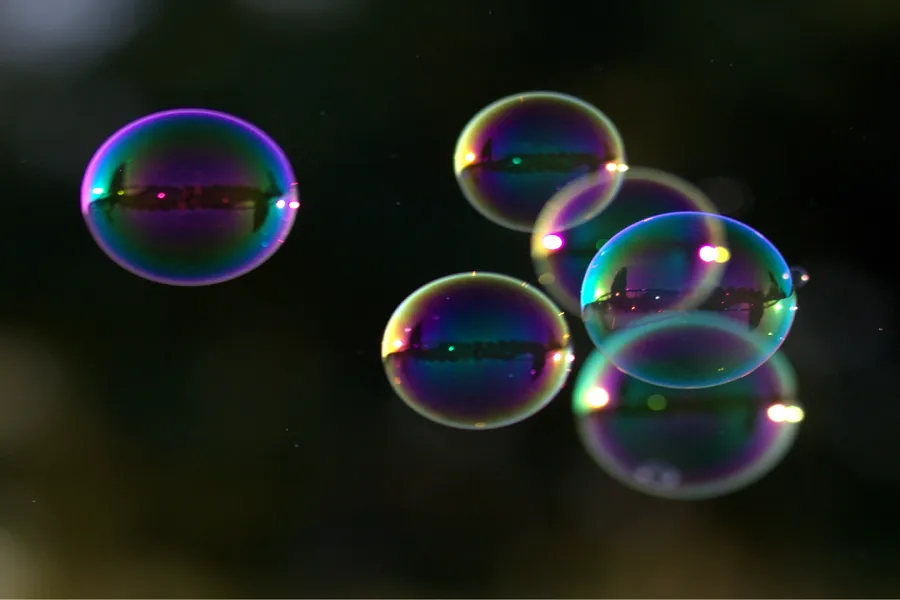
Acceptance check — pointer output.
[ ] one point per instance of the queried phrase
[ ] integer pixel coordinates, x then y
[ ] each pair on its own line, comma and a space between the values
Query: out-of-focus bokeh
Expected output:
242, 441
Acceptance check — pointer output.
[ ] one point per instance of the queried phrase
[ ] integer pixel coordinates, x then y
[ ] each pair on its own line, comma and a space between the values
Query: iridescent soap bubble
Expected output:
189, 197
688, 270
477, 350
799, 276
514, 155
687, 444
562, 247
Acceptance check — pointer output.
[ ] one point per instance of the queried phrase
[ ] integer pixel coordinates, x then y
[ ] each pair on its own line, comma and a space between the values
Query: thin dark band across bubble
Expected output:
168, 231
86, 188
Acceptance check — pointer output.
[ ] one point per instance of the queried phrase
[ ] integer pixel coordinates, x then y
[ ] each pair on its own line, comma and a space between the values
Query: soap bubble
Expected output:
799, 276
477, 351
514, 155
189, 197
562, 246
687, 444
676, 274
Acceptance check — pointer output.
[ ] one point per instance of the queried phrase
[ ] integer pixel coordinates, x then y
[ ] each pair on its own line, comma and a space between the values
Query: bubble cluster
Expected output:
686, 395
189, 197
477, 350
686, 444
515, 154
563, 245
676, 275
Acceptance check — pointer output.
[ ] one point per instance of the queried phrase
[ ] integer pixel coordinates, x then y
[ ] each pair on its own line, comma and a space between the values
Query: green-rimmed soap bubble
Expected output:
687, 444
477, 350
682, 269
516, 153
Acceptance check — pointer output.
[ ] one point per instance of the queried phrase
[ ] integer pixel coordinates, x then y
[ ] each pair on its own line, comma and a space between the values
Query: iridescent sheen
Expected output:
687, 444
515, 154
189, 197
686, 271
477, 350
562, 246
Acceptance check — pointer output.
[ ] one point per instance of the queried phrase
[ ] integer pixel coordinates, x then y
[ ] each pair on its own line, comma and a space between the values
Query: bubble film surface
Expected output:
189, 197
707, 266
514, 155
477, 350
562, 247
687, 444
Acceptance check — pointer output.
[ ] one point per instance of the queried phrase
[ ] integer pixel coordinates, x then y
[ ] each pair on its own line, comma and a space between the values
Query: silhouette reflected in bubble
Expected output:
671, 266
687, 444
477, 350
516, 153
189, 197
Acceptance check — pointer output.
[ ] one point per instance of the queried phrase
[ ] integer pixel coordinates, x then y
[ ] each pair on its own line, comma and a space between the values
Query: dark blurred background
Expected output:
242, 440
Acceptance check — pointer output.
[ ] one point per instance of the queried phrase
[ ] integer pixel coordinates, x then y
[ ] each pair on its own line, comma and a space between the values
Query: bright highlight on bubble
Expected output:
477, 351
779, 413
519, 151
553, 242
666, 267
716, 254
597, 397
708, 254
189, 197
686, 444
569, 231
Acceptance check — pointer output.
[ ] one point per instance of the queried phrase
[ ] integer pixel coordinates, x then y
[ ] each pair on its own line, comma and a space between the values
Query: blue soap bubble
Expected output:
690, 279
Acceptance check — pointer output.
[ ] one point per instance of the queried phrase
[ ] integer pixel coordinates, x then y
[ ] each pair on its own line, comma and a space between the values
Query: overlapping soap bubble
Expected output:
686, 393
